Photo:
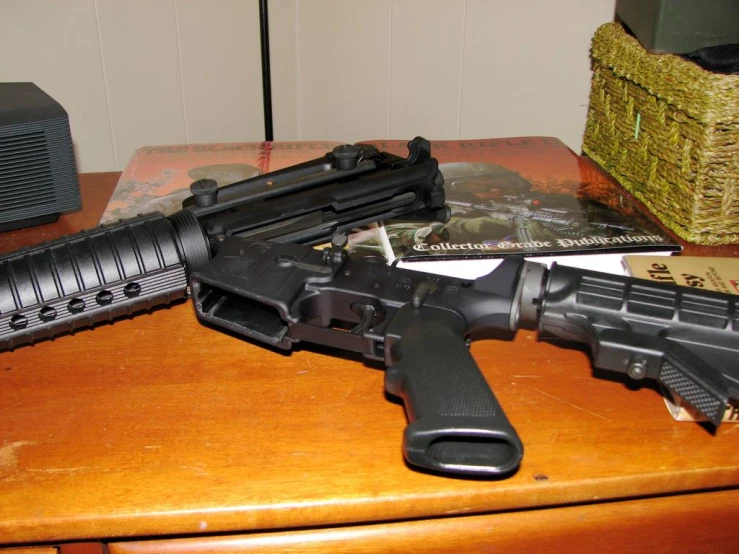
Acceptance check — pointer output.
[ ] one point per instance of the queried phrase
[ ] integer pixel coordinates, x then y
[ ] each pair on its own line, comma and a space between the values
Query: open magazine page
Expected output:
158, 178
530, 196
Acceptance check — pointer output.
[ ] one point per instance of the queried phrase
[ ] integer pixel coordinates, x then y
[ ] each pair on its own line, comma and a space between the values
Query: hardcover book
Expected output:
711, 273
530, 196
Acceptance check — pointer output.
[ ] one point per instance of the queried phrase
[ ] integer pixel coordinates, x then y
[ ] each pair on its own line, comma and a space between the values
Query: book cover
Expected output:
527, 195
158, 178
710, 273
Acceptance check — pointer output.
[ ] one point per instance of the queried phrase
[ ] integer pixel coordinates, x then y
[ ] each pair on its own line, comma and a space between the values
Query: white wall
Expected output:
137, 72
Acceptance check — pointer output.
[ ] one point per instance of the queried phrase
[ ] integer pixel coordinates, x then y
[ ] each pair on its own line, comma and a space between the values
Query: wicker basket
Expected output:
668, 131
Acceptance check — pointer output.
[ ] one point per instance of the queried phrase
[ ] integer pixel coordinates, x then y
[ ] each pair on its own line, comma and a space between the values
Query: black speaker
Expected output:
681, 26
38, 175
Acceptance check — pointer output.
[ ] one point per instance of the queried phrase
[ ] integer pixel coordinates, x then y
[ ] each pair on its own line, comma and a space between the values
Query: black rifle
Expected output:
418, 324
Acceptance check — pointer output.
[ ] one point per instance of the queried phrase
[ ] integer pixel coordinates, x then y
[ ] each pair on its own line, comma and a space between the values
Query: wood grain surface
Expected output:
156, 425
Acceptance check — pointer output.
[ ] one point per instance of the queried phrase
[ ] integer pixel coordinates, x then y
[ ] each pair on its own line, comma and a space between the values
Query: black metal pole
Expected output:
266, 74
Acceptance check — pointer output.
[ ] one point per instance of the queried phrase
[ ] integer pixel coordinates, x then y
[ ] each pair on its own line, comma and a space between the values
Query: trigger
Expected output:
367, 314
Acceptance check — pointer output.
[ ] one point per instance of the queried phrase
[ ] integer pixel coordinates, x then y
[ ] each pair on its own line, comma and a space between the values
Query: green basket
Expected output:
668, 131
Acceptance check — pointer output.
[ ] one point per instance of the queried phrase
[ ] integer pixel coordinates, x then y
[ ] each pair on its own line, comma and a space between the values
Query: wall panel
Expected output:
169, 71
221, 73
55, 45
284, 67
527, 67
142, 71
426, 68
343, 69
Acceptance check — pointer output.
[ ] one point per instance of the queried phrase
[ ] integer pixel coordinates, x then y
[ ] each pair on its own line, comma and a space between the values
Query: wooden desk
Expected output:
157, 434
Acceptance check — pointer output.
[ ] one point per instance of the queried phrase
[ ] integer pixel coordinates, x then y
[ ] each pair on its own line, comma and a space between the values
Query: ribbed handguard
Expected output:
93, 276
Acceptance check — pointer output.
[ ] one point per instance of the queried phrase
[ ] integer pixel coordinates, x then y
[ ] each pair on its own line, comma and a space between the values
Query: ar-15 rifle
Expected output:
418, 324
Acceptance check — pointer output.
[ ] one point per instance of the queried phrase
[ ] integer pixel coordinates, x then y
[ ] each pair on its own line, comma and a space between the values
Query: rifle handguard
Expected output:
89, 277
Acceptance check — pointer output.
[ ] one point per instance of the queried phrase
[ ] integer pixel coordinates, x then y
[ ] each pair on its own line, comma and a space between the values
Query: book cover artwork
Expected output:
530, 196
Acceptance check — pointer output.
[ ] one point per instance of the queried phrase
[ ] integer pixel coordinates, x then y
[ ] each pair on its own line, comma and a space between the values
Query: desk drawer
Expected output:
693, 523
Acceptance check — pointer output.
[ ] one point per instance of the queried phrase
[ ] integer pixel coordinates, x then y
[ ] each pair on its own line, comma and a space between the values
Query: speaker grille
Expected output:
38, 177
26, 180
